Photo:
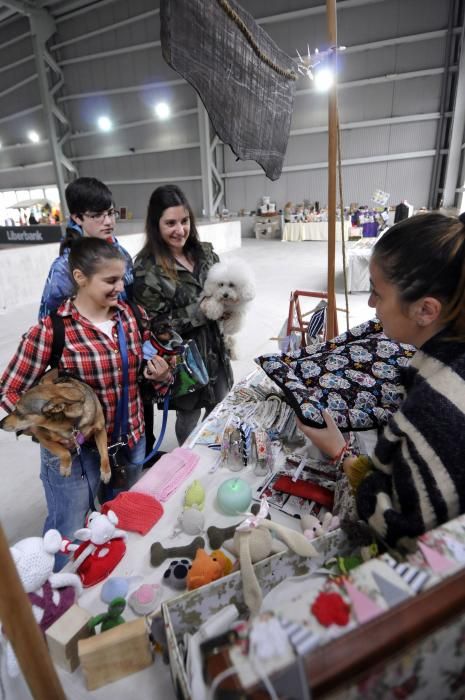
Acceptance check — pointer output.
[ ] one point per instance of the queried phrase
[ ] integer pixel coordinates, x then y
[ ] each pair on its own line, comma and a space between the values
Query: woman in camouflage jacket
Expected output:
169, 274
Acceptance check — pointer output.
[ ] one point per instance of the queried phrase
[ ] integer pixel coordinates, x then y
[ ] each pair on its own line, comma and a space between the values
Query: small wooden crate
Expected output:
63, 636
114, 654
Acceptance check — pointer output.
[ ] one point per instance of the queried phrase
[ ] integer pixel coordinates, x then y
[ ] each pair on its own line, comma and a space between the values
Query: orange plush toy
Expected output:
207, 568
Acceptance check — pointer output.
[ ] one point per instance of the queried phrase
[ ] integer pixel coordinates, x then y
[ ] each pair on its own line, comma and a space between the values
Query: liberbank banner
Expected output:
29, 235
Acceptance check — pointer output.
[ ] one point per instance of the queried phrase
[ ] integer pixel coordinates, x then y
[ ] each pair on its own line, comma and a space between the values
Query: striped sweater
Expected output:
418, 480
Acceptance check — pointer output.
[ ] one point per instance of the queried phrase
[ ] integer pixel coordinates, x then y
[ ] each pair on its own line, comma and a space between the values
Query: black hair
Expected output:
425, 256
88, 194
88, 254
84, 194
163, 198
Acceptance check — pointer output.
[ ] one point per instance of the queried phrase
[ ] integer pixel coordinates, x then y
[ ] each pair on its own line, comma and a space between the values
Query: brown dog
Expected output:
61, 412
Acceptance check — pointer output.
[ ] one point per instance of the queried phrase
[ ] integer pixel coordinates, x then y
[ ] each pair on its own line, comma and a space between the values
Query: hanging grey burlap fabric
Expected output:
245, 81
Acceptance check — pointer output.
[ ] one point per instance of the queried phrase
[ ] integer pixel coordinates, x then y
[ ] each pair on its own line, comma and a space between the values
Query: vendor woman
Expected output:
416, 476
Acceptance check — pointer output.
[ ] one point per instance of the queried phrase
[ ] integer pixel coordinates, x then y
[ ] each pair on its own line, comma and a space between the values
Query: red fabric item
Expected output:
331, 608
137, 512
305, 489
96, 568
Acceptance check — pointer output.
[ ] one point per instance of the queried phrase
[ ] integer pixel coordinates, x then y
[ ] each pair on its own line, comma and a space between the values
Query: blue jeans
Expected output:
68, 497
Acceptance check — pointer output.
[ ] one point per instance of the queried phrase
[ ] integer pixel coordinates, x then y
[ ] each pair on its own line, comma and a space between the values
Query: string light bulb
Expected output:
306, 65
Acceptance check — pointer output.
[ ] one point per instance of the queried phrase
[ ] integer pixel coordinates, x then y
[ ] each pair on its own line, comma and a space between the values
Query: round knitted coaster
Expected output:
145, 599
137, 512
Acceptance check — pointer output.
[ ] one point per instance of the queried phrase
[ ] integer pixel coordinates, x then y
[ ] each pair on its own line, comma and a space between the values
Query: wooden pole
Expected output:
21, 628
331, 319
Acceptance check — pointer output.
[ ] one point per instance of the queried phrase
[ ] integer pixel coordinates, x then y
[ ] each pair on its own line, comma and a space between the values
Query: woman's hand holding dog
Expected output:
157, 369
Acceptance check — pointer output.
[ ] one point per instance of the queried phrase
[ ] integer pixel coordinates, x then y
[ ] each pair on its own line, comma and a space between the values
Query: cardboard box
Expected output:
410, 647
187, 612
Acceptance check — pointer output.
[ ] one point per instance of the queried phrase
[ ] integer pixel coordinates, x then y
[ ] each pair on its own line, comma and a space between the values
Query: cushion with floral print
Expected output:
356, 376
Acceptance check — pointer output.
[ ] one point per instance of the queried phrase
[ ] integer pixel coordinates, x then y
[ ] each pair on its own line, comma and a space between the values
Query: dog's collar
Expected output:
162, 349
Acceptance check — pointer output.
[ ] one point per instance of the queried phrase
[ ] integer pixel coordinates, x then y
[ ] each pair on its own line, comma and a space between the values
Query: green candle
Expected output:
234, 496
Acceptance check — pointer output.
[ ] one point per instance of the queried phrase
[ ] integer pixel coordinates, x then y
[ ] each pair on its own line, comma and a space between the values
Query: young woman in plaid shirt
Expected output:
91, 353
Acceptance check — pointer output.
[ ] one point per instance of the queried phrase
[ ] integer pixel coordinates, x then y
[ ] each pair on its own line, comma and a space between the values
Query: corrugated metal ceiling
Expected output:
57, 8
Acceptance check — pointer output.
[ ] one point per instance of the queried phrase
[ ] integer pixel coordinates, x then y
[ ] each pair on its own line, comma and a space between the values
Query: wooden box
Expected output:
63, 636
111, 655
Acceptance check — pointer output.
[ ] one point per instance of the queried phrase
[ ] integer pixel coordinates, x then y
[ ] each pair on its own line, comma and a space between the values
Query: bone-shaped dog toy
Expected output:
218, 535
158, 553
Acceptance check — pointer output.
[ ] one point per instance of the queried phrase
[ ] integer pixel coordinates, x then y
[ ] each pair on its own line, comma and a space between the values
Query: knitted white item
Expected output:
192, 521
34, 560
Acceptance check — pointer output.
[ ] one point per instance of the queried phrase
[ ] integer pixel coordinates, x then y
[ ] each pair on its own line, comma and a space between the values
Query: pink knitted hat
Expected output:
137, 512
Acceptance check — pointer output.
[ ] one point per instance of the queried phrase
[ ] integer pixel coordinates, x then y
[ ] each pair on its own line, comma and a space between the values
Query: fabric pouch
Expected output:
305, 489
190, 373
356, 377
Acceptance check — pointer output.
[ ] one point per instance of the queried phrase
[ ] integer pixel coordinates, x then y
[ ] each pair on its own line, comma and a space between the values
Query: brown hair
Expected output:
161, 199
89, 254
425, 256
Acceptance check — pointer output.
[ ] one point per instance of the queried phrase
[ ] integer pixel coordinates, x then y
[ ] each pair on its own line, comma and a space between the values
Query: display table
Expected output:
313, 231
358, 260
155, 681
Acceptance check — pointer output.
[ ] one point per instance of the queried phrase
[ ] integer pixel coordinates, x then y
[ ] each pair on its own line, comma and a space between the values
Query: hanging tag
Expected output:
80, 438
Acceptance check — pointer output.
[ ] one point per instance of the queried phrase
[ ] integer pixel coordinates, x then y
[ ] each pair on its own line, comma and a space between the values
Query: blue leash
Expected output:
122, 412
120, 430
161, 436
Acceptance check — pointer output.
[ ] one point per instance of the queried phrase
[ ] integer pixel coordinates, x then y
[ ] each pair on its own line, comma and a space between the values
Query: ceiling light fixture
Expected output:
33, 136
104, 123
162, 110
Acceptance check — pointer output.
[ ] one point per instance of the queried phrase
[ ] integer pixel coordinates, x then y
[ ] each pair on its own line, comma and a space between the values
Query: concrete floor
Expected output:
279, 268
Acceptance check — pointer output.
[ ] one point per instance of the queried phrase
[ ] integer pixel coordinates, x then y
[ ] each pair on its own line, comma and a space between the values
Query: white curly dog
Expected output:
228, 289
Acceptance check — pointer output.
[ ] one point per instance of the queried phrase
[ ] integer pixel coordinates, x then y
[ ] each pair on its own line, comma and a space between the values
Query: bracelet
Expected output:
340, 456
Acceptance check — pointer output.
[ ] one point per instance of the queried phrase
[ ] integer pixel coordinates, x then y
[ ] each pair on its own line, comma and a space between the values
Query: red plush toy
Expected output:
102, 548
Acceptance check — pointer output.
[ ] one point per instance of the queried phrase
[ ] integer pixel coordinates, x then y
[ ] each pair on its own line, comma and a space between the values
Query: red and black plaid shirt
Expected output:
89, 355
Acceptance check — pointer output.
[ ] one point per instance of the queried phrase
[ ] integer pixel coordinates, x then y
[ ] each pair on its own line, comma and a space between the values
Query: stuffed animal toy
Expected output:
195, 496
313, 527
50, 594
228, 289
175, 575
112, 618
158, 553
253, 542
207, 568
103, 546
191, 521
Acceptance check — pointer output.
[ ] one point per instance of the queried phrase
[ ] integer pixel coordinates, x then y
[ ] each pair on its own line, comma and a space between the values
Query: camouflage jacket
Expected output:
159, 294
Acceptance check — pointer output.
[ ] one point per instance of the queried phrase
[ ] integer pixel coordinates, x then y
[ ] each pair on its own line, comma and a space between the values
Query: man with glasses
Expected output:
92, 213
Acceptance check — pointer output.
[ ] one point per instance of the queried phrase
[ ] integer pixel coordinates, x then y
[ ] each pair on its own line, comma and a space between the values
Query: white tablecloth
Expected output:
155, 681
358, 260
313, 231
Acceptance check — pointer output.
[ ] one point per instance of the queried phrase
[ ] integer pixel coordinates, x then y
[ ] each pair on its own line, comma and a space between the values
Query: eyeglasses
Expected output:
99, 217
